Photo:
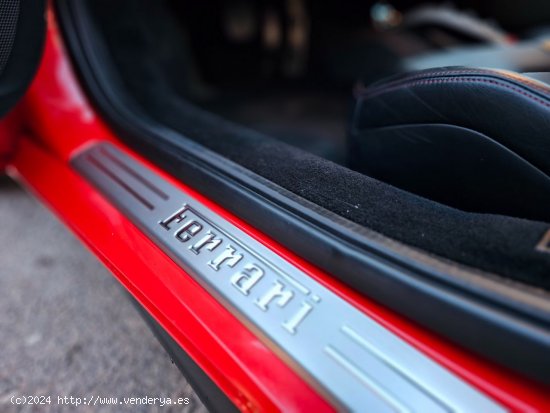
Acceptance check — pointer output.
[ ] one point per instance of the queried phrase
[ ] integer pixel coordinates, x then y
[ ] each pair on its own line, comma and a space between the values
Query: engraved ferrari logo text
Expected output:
241, 268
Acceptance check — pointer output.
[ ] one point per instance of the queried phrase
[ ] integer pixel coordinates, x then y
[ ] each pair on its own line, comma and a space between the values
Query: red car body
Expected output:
55, 121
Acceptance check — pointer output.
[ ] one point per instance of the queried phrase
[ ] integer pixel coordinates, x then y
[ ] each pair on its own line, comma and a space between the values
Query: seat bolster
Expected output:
474, 139
512, 109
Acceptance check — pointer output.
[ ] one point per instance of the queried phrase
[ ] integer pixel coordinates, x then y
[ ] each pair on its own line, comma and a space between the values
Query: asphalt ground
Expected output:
66, 325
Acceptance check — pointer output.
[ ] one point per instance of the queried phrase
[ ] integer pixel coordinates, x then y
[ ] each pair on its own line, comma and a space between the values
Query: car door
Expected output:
253, 290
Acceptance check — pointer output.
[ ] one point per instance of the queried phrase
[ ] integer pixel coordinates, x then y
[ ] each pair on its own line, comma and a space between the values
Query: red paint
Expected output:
56, 109
10, 130
242, 366
63, 122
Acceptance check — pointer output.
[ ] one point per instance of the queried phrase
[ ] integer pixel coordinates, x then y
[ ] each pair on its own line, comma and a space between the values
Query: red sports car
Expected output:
317, 205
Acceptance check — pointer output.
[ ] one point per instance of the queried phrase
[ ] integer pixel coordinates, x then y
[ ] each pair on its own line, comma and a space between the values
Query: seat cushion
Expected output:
475, 139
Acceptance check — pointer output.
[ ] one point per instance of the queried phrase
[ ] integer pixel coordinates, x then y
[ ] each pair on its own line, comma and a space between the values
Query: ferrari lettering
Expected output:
292, 323
247, 278
229, 257
209, 241
187, 231
278, 292
239, 267
176, 217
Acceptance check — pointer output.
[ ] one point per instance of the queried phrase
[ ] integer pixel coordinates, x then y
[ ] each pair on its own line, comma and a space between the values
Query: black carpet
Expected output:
147, 46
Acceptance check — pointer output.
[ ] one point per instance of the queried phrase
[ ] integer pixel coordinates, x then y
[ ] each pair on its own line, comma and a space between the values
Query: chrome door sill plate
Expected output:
358, 364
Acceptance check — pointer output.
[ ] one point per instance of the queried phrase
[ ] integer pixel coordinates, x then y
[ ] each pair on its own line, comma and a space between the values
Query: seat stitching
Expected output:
460, 80
405, 81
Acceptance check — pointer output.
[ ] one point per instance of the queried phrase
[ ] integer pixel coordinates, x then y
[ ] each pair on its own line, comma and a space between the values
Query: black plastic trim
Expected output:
455, 302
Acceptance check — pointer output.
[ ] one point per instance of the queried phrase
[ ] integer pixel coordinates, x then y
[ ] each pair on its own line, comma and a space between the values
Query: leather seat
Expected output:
474, 139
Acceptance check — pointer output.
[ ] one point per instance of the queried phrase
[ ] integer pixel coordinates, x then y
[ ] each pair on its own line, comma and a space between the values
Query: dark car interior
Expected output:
288, 69
241, 77
413, 130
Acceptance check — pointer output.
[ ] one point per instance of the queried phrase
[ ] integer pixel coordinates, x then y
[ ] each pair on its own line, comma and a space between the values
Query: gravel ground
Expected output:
66, 326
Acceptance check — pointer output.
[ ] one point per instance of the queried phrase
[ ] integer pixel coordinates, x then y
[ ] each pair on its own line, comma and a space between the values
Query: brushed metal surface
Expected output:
357, 363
